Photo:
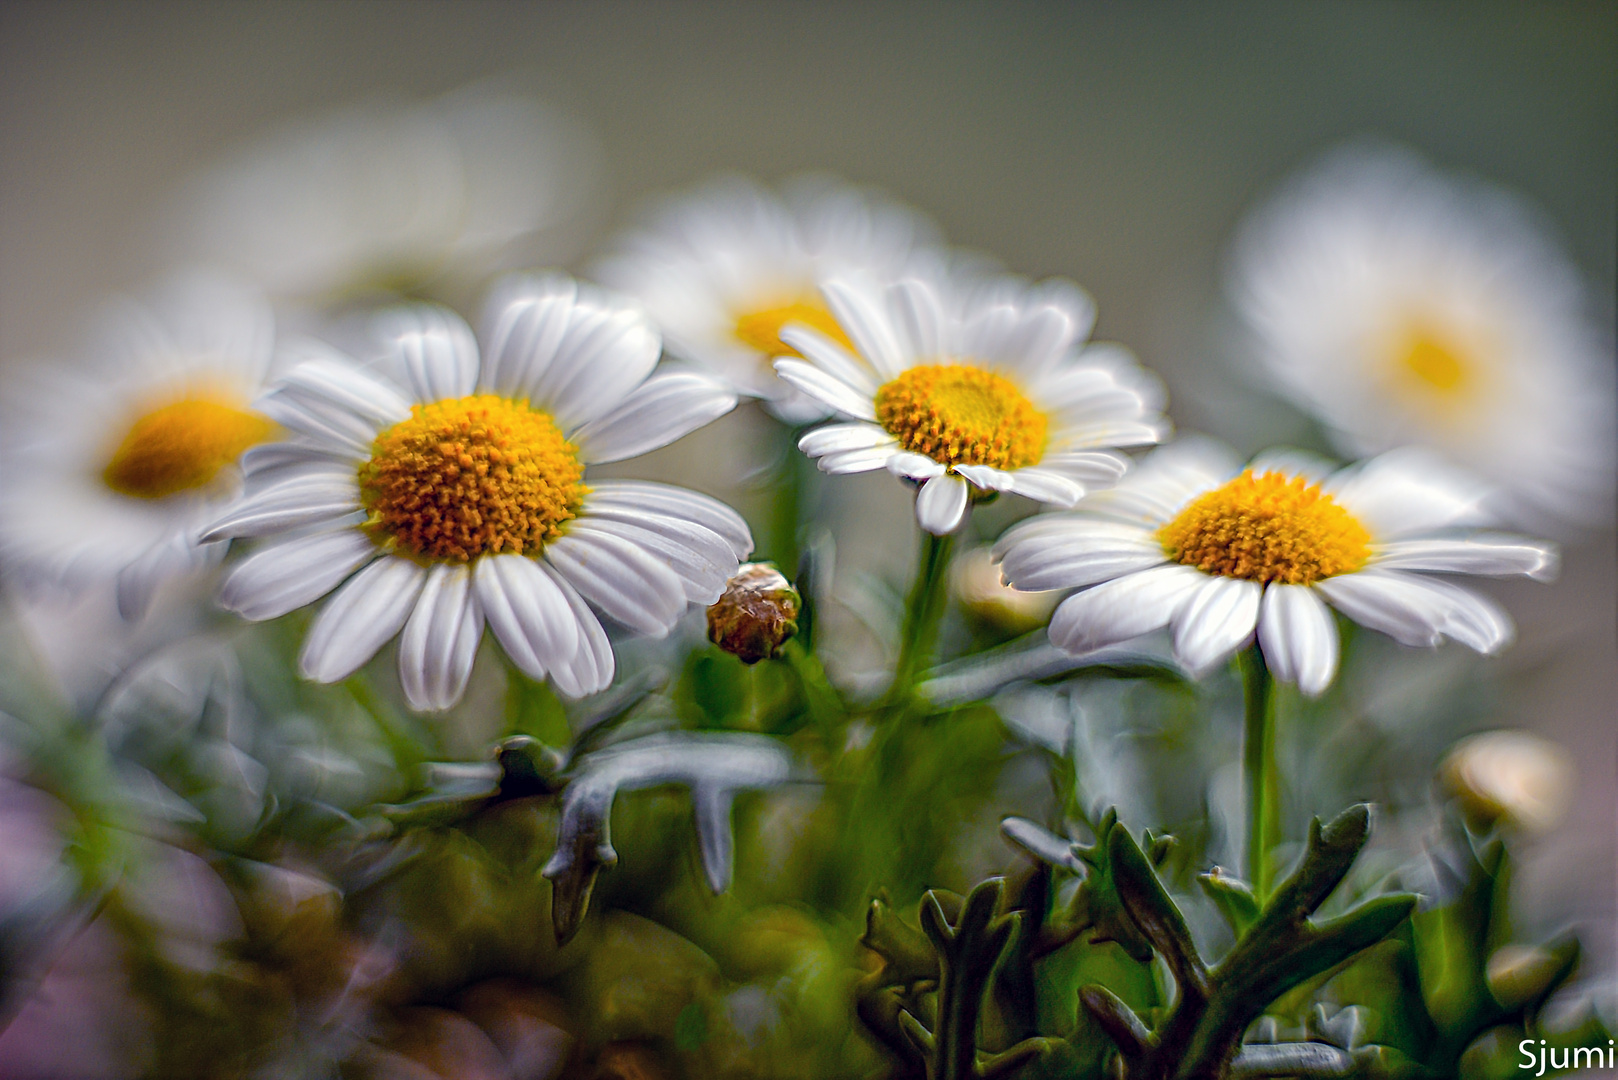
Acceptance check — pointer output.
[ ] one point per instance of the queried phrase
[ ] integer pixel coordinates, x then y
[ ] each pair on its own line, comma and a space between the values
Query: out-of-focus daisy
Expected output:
725, 267
395, 195
1217, 552
1401, 306
457, 496
111, 466
987, 390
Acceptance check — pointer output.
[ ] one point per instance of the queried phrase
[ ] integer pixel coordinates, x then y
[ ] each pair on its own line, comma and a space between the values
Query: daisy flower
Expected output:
455, 495
1401, 306
724, 268
989, 390
393, 195
111, 466
1218, 553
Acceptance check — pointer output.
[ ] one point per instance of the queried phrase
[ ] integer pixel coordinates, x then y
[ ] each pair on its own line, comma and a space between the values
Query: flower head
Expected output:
757, 614
726, 267
381, 196
1402, 306
970, 391
112, 465
1219, 553
454, 495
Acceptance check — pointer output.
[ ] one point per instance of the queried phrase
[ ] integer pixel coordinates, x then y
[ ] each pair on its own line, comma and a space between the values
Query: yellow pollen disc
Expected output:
1434, 364
957, 414
1267, 528
182, 446
471, 476
761, 330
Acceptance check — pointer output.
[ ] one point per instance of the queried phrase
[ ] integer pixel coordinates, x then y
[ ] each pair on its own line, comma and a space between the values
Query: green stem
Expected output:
1258, 772
924, 611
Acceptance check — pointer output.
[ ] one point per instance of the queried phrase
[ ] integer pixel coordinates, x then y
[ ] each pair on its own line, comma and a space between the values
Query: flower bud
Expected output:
979, 587
1518, 974
755, 615
1509, 776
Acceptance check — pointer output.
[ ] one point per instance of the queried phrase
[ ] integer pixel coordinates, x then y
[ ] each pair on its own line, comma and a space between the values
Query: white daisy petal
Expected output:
1046, 486
270, 463
917, 319
702, 574
914, 466
1488, 555
591, 667
1122, 608
531, 617
606, 351
363, 614
172, 556
435, 348
830, 392
624, 581
861, 317
1394, 603
1217, 619
440, 640
986, 477
311, 496
328, 378
830, 357
1073, 558
1408, 492
523, 325
941, 503
286, 575
846, 462
1093, 468
1299, 638
836, 438
662, 409
642, 496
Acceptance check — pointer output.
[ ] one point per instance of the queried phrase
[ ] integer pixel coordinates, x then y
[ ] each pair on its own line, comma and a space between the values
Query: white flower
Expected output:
1219, 553
456, 496
1401, 306
983, 389
110, 466
386, 195
723, 268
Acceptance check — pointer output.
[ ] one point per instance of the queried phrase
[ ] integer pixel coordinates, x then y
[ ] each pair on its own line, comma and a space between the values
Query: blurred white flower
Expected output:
395, 195
978, 586
1218, 552
988, 388
452, 500
723, 268
111, 465
1402, 306
1515, 776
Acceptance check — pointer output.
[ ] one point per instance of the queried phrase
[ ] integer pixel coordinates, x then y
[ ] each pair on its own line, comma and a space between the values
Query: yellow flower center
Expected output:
1267, 528
182, 446
1435, 364
471, 476
957, 414
761, 330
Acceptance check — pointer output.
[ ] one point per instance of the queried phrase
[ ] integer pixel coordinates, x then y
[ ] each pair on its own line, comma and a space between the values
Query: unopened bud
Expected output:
755, 615
981, 591
1508, 775
1517, 974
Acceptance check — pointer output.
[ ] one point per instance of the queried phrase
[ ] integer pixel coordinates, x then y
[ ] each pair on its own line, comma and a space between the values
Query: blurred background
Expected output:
1114, 144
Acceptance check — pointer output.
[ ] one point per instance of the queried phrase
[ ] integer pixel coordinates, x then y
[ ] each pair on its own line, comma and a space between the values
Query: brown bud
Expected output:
755, 615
